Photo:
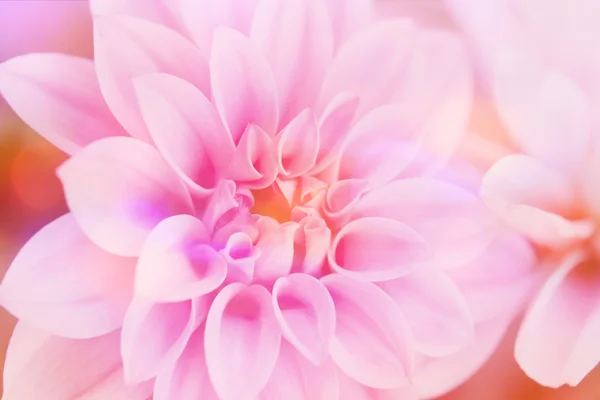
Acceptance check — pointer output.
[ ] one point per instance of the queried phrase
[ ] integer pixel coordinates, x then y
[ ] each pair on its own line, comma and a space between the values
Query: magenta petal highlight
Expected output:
177, 262
133, 189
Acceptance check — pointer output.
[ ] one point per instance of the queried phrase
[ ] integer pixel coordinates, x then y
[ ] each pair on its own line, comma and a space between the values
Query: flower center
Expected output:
269, 203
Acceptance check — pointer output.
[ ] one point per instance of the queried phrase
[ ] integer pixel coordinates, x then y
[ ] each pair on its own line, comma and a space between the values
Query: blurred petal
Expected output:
242, 341
499, 280
126, 47
353, 69
379, 146
436, 311
296, 38
41, 366
557, 340
58, 96
435, 98
243, 86
453, 221
118, 189
349, 17
437, 376
521, 179
63, 283
306, 315
377, 249
372, 342
155, 334
201, 17
591, 181
151, 10
177, 262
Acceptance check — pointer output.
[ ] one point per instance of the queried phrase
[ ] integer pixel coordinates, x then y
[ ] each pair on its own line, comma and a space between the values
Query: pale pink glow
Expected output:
545, 82
261, 208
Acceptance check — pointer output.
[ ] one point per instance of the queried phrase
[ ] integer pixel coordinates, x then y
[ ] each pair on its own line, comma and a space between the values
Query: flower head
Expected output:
258, 207
545, 83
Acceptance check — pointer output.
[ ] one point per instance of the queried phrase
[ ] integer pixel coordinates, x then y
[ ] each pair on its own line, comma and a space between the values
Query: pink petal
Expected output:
311, 245
438, 99
126, 47
254, 163
58, 96
201, 17
434, 208
177, 262
349, 17
372, 342
557, 125
352, 390
243, 86
296, 38
557, 340
353, 69
185, 128
499, 280
306, 315
591, 181
132, 189
155, 334
542, 227
63, 283
521, 179
187, 379
241, 341
377, 249
241, 256
152, 10
437, 376
334, 125
219, 204
342, 197
379, 146
298, 145
294, 378
41, 366
436, 311
276, 244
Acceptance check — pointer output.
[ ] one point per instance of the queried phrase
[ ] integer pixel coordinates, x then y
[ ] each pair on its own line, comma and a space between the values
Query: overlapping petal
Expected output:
62, 283
59, 97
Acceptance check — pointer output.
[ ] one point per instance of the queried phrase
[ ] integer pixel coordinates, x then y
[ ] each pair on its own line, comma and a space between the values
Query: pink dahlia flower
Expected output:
258, 210
545, 81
